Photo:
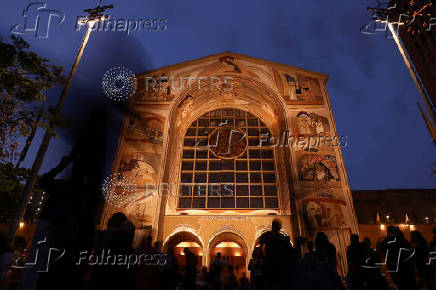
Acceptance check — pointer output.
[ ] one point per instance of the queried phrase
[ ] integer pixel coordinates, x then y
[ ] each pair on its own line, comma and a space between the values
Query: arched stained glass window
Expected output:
223, 165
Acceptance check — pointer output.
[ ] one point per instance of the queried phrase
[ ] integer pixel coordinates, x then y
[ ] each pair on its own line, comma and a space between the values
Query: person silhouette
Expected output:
326, 259
230, 282
244, 283
425, 271
355, 261
398, 251
190, 269
215, 270
372, 276
275, 247
256, 269
310, 269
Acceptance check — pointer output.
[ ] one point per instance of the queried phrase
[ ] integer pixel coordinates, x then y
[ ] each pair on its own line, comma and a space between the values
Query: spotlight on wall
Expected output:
382, 226
21, 225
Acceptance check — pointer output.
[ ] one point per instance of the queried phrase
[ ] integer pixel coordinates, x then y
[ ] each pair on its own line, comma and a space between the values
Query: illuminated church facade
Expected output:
220, 146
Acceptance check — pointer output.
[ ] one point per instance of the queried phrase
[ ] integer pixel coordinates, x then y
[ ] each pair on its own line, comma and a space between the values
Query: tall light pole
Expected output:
384, 15
95, 15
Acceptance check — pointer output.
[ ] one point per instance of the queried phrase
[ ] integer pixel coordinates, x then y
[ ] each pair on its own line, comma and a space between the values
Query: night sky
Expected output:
372, 94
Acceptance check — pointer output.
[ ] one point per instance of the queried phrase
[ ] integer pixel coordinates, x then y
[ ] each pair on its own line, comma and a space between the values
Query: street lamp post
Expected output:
95, 15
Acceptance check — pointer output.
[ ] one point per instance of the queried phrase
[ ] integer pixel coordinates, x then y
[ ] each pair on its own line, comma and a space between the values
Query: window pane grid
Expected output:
207, 181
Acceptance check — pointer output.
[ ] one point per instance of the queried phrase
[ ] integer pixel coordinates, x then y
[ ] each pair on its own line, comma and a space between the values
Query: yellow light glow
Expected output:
188, 245
382, 227
21, 225
412, 227
237, 254
228, 245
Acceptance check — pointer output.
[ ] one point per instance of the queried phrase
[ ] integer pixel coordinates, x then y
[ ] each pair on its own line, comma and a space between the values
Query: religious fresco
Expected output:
324, 212
229, 63
311, 124
145, 127
298, 89
321, 199
306, 88
314, 167
139, 168
141, 211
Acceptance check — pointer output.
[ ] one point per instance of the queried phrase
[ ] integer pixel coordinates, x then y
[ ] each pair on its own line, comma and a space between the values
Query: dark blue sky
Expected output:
372, 95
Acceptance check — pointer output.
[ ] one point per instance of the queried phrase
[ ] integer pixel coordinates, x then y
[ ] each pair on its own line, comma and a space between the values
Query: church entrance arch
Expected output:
233, 249
181, 240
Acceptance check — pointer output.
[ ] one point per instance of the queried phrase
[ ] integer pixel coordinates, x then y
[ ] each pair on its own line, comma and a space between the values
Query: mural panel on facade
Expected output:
324, 212
298, 89
139, 168
311, 124
314, 167
145, 127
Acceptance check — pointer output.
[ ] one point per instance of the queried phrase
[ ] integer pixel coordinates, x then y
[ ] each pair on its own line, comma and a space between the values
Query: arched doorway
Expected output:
233, 251
181, 240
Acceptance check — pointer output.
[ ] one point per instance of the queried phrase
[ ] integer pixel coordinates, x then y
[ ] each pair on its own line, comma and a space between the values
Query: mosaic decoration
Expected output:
307, 89
137, 167
148, 127
310, 124
318, 168
298, 89
324, 212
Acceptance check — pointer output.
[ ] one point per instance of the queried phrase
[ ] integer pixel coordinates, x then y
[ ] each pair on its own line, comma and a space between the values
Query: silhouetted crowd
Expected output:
275, 264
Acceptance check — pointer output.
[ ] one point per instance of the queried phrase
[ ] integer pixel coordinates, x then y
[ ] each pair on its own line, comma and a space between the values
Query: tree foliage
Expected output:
24, 79
11, 191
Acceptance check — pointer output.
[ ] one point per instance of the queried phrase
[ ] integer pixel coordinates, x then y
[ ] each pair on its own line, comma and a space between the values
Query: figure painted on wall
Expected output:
312, 124
139, 212
318, 168
229, 62
185, 106
298, 89
323, 212
138, 168
147, 127
291, 85
307, 89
